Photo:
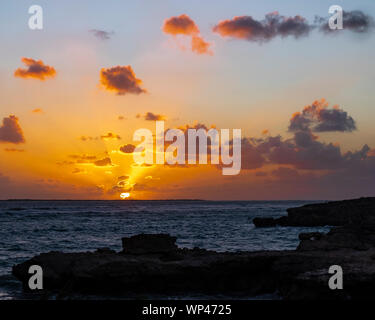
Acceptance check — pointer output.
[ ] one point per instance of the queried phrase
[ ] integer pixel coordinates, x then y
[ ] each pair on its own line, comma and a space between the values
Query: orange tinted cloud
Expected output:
37, 110
11, 131
13, 150
184, 25
200, 46
122, 80
35, 69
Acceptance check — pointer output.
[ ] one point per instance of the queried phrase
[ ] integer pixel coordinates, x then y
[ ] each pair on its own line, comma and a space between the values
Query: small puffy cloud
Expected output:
355, 21
110, 136
11, 131
149, 116
103, 162
318, 117
102, 34
184, 25
273, 25
122, 80
35, 69
128, 148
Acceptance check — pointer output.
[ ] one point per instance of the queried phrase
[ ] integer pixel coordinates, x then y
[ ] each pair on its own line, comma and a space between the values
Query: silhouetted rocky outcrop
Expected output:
335, 213
300, 274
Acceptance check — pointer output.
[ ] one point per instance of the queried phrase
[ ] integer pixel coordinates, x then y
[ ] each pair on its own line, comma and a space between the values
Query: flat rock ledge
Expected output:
153, 264
334, 213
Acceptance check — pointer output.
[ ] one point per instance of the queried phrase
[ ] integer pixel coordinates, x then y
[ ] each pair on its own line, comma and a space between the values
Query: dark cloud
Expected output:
11, 131
110, 136
247, 28
35, 69
101, 34
122, 80
355, 21
153, 117
318, 118
128, 148
103, 162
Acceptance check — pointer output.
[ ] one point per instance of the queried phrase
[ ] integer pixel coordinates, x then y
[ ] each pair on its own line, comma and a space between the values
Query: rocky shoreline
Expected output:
153, 264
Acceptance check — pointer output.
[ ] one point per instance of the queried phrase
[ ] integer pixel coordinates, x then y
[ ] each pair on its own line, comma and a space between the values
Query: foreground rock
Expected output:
335, 213
143, 268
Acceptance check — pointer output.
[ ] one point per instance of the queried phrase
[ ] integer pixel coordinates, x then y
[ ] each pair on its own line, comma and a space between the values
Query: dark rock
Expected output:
149, 244
356, 237
264, 222
310, 236
334, 213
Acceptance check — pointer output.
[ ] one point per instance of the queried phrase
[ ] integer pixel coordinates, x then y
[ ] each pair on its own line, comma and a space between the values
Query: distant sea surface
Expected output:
28, 228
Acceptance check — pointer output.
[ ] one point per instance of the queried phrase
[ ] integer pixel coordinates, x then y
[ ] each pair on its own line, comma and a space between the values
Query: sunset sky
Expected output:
73, 94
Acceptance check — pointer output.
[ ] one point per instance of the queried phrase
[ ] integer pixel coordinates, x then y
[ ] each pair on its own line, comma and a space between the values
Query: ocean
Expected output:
28, 228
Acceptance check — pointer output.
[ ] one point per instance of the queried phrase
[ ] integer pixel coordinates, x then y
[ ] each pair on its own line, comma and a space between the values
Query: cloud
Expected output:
200, 46
88, 138
110, 136
103, 162
121, 118
122, 178
318, 118
285, 173
38, 110
13, 150
273, 25
11, 131
121, 80
184, 25
128, 148
355, 21
35, 69
82, 158
149, 116
78, 171
101, 34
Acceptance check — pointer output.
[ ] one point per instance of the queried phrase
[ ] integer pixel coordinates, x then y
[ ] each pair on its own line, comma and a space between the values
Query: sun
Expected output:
124, 195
